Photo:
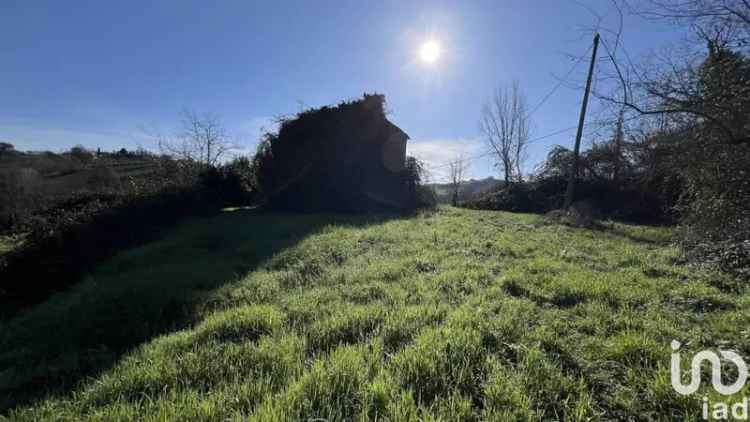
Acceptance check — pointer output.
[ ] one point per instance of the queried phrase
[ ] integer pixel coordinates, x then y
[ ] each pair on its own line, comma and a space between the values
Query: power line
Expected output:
489, 153
536, 108
559, 84
530, 141
533, 110
476, 157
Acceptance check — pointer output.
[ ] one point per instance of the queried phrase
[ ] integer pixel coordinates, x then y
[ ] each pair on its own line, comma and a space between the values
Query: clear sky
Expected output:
97, 73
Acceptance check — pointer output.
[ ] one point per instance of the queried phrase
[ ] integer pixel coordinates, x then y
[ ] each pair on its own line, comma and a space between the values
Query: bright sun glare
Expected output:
429, 52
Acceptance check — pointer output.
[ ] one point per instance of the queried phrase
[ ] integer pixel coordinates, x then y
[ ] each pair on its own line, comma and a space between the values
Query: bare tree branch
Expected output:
675, 87
457, 169
505, 125
201, 138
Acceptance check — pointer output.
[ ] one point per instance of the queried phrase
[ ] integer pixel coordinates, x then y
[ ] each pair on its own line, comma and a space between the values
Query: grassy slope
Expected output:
8, 243
5, 245
456, 315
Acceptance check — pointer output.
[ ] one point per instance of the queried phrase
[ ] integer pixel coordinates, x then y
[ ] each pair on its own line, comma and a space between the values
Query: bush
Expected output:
19, 195
581, 214
538, 196
715, 211
232, 183
81, 154
426, 197
621, 200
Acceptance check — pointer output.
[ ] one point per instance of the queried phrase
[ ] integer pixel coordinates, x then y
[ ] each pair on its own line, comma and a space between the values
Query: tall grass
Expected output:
451, 315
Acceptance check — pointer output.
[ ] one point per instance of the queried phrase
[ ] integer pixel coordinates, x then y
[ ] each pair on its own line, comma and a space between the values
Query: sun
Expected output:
429, 52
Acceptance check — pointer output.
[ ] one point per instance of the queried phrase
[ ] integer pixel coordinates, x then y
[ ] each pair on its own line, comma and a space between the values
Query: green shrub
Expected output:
715, 209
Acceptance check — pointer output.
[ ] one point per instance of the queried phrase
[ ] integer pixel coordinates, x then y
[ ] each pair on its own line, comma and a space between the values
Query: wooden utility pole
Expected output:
570, 192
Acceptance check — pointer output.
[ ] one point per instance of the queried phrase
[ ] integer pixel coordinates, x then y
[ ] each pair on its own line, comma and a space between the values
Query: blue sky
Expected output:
98, 73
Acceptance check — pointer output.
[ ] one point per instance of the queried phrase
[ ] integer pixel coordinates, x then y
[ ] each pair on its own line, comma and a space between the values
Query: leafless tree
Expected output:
671, 89
457, 169
201, 138
617, 140
505, 126
731, 17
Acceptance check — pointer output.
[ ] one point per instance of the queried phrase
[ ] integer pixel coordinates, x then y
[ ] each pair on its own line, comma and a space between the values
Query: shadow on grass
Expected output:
139, 294
629, 232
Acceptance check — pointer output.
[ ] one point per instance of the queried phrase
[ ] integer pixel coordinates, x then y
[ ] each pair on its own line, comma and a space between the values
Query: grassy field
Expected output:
451, 315
8, 243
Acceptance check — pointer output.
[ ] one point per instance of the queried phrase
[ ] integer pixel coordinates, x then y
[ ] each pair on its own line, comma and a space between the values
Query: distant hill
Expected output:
32, 182
469, 189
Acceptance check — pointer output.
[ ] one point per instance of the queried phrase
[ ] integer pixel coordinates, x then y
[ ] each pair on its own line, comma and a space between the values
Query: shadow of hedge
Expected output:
138, 294
81, 232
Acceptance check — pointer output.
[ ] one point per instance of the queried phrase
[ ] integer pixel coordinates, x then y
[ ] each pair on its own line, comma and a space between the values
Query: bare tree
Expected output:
730, 17
617, 139
674, 89
201, 138
457, 169
505, 126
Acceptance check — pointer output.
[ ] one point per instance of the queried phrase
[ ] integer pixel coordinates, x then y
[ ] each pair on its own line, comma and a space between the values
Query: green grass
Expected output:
5, 245
8, 243
452, 315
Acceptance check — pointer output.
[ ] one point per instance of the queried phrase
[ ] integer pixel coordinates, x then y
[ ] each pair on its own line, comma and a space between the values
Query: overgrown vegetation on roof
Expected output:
327, 158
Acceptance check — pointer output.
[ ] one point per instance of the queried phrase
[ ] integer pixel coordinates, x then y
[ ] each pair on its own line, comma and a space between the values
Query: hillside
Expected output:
451, 315
74, 171
469, 189
34, 183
